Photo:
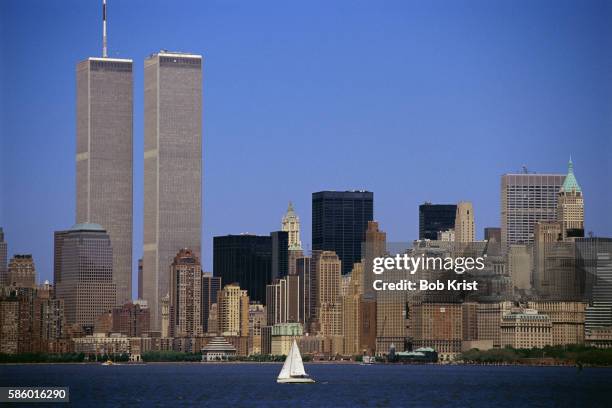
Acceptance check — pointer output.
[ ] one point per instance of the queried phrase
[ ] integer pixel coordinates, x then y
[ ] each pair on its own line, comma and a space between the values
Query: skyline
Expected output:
342, 128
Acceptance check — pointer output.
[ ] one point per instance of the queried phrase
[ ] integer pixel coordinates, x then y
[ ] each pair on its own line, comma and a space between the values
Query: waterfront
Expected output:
172, 384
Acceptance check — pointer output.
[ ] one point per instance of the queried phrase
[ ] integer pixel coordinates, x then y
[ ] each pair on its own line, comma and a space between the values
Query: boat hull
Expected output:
295, 381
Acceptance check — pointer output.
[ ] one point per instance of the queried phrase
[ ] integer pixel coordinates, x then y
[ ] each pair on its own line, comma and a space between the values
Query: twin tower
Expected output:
172, 163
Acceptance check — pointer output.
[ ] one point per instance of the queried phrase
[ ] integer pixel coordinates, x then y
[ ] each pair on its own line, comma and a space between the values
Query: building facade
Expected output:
464, 223
86, 276
104, 164
22, 271
186, 295
434, 218
244, 259
233, 311
172, 168
329, 307
3, 259
526, 329
525, 200
339, 222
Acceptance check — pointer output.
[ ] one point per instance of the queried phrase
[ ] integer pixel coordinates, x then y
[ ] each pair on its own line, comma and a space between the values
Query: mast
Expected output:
104, 49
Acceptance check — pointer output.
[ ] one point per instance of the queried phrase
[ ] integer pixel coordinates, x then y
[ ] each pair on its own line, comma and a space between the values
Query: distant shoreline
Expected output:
357, 363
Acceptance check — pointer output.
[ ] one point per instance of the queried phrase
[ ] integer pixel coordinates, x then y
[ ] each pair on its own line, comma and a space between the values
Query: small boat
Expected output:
108, 362
293, 369
368, 360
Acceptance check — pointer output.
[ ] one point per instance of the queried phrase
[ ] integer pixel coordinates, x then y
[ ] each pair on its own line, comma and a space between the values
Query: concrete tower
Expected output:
464, 223
570, 206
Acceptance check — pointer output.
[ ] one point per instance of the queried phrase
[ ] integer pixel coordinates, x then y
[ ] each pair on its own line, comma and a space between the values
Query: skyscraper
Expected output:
464, 223
246, 260
280, 254
434, 218
351, 311
185, 295
375, 245
526, 199
210, 286
594, 259
339, 222
233, 311
3, 259
172, 168
291, 224
104, 158
329, 306
86, 276
570, 206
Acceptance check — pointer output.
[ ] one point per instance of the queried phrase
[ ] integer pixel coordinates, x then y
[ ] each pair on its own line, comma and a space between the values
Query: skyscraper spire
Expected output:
104, 49
570, 183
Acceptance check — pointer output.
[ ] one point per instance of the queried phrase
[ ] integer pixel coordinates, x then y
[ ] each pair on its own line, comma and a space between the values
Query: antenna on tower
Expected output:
104, 50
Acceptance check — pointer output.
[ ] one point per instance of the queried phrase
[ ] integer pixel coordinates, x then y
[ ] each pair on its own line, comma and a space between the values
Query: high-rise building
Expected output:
233, 311
284, 303
594, 259
375, 245
434, 218
22, 272
185, 295
16, 320
257, 320
555, 275
329, 306
464, 223
244, 259
339, 222
172, 168
276, 302
86, 276
520, 266
291, 225
351, 311
104, 122
570, 206
280, 254
525, 200
3, 259
210, 286
307, 290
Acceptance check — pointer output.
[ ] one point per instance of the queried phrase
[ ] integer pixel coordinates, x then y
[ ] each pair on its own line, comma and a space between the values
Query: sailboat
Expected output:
293, 369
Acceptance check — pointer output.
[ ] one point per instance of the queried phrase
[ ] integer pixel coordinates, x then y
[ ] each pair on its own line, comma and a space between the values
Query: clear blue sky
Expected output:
414, 101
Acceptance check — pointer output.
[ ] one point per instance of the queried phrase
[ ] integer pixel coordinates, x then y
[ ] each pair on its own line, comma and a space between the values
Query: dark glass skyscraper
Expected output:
280, 254
339, 222
434, 218
246, 260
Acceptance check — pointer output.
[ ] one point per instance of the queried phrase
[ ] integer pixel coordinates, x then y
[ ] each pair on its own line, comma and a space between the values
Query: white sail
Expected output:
293, 367
297, 366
